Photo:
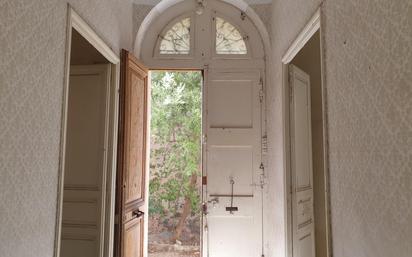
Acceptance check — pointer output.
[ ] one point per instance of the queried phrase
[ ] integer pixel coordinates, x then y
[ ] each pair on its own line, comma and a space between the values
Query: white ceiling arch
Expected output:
155, 2
163, 5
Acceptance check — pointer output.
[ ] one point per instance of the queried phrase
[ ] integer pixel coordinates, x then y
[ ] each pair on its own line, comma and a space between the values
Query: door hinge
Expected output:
204, 139
204, 208
290, 86
264, 144
261, 95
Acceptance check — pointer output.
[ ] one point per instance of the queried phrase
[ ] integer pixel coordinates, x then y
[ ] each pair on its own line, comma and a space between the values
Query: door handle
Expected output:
138, 213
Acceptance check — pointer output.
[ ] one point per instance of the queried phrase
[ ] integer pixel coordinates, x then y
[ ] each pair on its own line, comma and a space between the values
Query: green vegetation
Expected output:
175, 161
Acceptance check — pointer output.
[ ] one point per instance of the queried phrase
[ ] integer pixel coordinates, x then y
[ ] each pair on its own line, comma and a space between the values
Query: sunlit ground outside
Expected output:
175, 164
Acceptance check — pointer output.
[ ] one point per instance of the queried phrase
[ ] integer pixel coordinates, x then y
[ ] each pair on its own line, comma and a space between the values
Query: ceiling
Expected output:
154, 2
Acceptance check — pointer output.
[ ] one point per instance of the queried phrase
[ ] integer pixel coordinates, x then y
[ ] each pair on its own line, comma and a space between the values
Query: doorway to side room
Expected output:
307, 174
85, 215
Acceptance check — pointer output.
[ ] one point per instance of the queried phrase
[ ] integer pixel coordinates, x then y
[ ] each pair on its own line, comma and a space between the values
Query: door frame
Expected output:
314, 25
264, 64
74, 21
148, 146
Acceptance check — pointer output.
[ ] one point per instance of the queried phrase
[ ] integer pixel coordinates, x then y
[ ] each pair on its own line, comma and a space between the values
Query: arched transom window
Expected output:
193, 35
228, 38
177, 39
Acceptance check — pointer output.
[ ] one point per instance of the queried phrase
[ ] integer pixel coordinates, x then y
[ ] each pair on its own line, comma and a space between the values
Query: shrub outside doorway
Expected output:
175, 164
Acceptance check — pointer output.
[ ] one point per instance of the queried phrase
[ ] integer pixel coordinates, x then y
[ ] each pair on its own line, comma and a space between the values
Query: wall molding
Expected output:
307, 32
87, 32
162, 6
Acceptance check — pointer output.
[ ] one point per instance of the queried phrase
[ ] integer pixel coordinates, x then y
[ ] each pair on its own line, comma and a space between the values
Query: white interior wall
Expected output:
32, 43
368, 73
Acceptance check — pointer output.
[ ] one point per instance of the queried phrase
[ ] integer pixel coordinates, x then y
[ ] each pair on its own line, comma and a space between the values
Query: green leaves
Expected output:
176, 139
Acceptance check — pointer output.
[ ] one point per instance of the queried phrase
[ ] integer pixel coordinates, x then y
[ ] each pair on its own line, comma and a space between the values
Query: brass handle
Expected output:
138, 213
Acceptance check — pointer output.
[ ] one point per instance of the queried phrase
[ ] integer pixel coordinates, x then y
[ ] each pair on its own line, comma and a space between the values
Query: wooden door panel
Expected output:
131, 167
135, 137
133, 238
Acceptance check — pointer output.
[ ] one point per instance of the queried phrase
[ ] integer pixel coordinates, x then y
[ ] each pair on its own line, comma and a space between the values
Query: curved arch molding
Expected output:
166, 4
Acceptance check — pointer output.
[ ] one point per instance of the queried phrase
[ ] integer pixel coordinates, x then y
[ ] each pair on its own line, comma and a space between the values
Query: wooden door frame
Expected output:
74, 21
314, 25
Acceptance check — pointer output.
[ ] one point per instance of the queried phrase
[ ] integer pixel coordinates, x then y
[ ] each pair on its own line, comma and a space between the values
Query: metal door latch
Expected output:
232, 208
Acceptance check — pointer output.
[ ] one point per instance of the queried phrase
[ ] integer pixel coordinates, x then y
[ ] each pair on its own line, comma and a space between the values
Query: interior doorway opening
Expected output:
85, 211
175, 215
308, 216
309, 61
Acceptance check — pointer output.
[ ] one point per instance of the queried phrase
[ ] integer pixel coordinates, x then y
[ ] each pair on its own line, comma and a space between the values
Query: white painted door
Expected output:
83, 217
301, 165
232, 157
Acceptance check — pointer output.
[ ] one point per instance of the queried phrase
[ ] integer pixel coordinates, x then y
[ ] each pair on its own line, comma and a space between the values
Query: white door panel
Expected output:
231, 104
301, 163
232, 153
228, 161
232, 239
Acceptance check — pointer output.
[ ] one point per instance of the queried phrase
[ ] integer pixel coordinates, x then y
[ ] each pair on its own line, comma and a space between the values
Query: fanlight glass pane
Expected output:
228, 38
177, 39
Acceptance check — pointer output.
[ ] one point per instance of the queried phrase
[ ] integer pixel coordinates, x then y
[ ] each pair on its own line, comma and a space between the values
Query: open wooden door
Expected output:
131, 162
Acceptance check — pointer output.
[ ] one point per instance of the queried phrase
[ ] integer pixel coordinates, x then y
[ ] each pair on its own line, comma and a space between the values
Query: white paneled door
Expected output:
83, 221
301, 163
232, 159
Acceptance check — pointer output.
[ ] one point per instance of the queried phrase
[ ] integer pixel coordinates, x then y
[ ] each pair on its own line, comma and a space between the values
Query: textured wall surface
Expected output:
368, 78
32, 47
369, 74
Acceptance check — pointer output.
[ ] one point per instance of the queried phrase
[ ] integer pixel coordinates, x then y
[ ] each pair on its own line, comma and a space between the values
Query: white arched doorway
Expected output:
228, 42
